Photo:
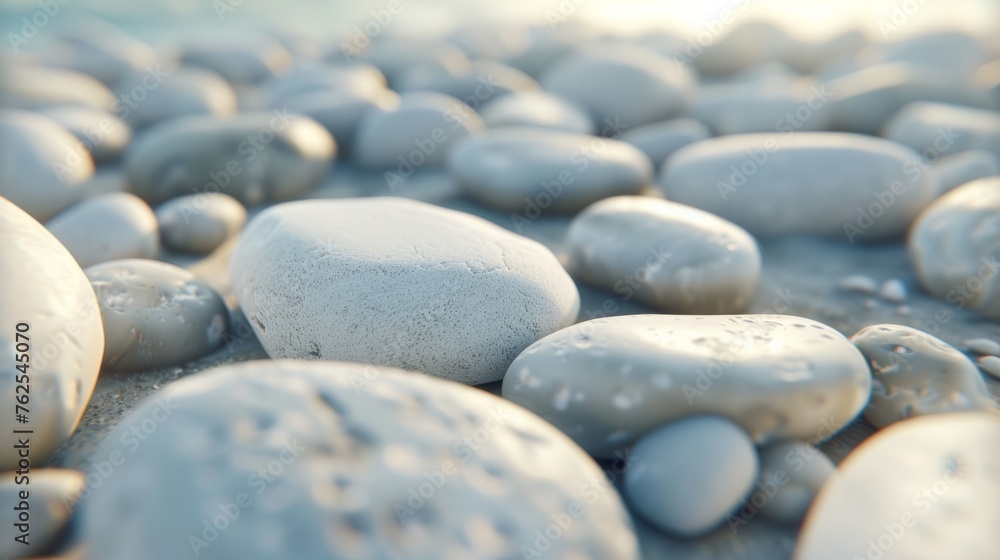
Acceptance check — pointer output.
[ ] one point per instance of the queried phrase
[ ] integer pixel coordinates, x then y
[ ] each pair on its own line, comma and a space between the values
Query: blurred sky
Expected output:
329, 19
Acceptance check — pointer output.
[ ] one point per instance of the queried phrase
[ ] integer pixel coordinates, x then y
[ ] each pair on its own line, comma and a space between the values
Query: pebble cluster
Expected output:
140, 237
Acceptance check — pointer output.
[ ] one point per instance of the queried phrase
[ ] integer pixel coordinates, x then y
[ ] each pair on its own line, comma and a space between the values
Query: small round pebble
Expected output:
200, 223
400, 283
254, 157
952, 246
916, 374
42, 165
536, 109
606, 382
791, 474
893, 290
48, 300
990, 364
532, 170
687, 476
673, 257
924, 488
155, 314
858, 283
285, 459
418, 132
983, 346
108, 227
47, 497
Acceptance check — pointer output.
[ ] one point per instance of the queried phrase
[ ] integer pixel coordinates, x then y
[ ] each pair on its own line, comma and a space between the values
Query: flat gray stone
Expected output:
942, 128
686, 477
830, 184
254, 157
536, 109
672, 257
532, 170
606, 382
108, 227
330, 460
397, 283
155, 314
47, 299
167, 94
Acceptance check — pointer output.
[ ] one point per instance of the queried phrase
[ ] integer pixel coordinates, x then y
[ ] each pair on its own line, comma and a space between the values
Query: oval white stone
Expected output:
45, 288
917, 374
379, 469
682, 259
104, 134
398, 283
557, 171
808, 183
536, 109
687, 476
606, 382
952, 246
923, 488
200, 223
107, 227
155, 314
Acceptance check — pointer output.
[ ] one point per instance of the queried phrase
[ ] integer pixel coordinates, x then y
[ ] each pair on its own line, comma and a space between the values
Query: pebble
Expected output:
622, 86
916, 374
107, 227
536, 109
341, 111
304, 79
99, 49
398, 283
990, 365
774, 105
819, 183
418, 132
933, 126
105, 135
50, 294
474, 85
42, 165
51, 496
924, 488
672, 257
254, 157
155, 314
952, 244
893, 290
957, 52
241, 60
367, 462
858, 283
863, 101
955, 170
531, 170
791, 474
395, 56
606, 382
983, 346
176, 93
38, 88
686, 477
200, 223
661, 139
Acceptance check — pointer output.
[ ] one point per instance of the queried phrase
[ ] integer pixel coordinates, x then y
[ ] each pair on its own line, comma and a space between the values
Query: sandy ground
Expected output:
800, 277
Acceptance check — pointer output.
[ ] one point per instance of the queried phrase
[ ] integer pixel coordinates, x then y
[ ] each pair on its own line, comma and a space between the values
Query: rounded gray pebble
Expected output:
175, 93
200, 223
155, 314
108, 227
105, 135
661, 139
791, 474
536, 109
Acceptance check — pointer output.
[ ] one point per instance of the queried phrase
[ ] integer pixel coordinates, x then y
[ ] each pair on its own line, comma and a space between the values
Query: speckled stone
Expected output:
328, 460
687, 476
937, 493
155, 314
200, 223
670, 256
952, 246
917, 374
606, 382
108, 227
65, 341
